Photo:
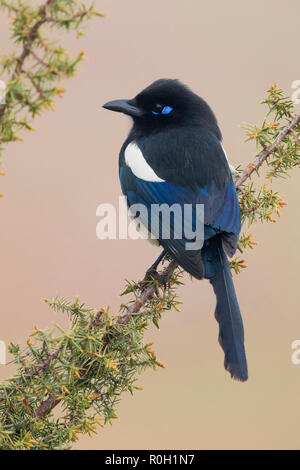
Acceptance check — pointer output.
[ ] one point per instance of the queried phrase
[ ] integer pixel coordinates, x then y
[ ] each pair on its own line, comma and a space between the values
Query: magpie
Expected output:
174, 155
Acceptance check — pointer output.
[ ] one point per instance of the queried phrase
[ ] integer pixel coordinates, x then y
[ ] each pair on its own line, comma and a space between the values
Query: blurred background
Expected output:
229, 53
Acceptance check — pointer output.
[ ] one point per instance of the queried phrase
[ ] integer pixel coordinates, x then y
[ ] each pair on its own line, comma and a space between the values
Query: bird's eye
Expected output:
159, 109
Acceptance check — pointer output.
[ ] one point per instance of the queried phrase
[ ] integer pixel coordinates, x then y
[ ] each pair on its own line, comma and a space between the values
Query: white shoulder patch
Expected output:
138, 165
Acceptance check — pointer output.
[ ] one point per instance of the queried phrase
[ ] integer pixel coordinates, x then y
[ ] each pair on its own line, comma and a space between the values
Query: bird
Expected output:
174, 155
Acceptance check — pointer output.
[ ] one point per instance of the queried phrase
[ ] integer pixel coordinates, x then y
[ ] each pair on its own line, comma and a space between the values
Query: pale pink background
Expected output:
230, 53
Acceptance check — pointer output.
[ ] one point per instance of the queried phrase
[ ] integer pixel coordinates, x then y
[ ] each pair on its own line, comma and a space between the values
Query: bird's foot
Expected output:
153, 275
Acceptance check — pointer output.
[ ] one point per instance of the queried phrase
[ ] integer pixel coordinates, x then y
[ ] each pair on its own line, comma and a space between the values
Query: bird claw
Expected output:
153, 275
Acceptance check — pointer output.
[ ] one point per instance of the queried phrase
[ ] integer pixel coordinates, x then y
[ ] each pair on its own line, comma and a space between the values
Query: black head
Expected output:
167, 103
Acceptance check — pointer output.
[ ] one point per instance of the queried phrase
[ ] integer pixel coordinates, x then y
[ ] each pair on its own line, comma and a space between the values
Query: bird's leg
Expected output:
152, 271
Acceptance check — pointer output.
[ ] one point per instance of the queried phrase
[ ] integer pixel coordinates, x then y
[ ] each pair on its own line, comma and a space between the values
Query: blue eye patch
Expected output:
165, 110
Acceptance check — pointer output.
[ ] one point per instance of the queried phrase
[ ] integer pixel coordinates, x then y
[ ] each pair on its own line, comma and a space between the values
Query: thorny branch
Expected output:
32, 74
266, 152
32, 36
47, 406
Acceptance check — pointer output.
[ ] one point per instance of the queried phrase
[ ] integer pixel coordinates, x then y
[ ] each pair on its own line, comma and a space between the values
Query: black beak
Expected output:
123, 106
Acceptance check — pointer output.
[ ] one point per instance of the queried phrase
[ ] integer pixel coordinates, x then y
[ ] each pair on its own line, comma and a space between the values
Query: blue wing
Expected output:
221, 214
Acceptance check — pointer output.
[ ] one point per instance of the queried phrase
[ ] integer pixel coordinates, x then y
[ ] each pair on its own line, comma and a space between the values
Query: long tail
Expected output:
228, 315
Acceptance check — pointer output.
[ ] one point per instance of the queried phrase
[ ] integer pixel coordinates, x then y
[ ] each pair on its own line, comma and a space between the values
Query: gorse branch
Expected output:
278, 148
267, 152
85, 369
33, 74
30, 37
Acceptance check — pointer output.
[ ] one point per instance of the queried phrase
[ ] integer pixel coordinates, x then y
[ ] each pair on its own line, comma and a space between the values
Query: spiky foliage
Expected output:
32, 73
278, 152
84, 370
